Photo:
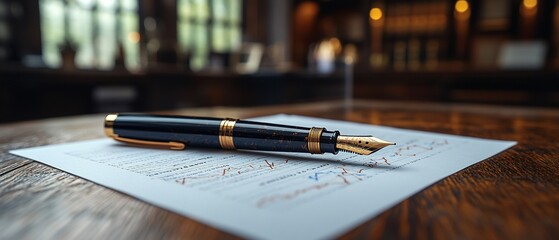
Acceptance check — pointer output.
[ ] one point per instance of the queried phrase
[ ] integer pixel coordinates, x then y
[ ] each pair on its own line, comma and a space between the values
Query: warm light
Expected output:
461, 6
134, 37
375, 14
325, 51
308, 9
529, 4
336, 44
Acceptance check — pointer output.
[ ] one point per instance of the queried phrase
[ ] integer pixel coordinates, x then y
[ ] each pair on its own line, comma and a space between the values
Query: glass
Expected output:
219, 39
52, 29
129, 4
194, 23
85, 3
106, 47
201, 11
81, 35
107, 4
185, 9
219, 10
96, 28
234, 17
235, 11
235, 35
130, 39
200, 51
185, 36
192, 30
184, 26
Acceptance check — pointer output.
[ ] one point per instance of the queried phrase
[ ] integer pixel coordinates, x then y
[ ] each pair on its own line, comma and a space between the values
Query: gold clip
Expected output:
170, 145
109, 123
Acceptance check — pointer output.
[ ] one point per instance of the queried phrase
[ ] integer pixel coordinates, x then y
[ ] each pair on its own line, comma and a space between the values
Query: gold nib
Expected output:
363, 145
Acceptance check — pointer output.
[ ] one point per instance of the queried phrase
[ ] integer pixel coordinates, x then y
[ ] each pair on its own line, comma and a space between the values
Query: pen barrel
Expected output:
276, 137
192, 131
208, 132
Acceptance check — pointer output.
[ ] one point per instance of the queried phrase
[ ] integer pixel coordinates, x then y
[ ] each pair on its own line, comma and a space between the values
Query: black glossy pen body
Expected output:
193, 131
204, 132
276, 137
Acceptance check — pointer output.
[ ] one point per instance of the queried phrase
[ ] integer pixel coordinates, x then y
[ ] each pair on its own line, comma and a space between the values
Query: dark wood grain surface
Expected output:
514, 195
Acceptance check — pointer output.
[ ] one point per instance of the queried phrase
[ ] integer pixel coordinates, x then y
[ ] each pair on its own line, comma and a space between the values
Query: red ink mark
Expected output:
239, 169
296, 193
269, 165
288, 196
181, 182
372, 165
431, 146
345, 180
386, 160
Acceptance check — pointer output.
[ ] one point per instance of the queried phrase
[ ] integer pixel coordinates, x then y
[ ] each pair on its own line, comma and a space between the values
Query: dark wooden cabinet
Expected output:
39, 93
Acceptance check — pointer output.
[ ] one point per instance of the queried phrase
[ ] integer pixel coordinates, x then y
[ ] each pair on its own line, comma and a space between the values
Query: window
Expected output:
52, 31
95, 29
206, 26
130, 33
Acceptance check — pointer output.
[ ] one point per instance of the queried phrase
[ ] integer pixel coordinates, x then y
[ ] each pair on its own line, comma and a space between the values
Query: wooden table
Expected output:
514, 195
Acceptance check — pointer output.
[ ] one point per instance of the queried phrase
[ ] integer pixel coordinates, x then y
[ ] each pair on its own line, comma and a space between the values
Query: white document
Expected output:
275, 195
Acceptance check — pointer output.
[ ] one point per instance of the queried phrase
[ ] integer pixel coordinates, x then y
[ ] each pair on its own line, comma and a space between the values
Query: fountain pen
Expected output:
177, 132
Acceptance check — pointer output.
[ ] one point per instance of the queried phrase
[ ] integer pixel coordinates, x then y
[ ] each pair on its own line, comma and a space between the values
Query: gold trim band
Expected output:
313, 140
109, 123
226, 133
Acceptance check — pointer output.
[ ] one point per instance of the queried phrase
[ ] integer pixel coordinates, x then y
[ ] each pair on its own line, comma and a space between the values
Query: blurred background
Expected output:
69, 57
